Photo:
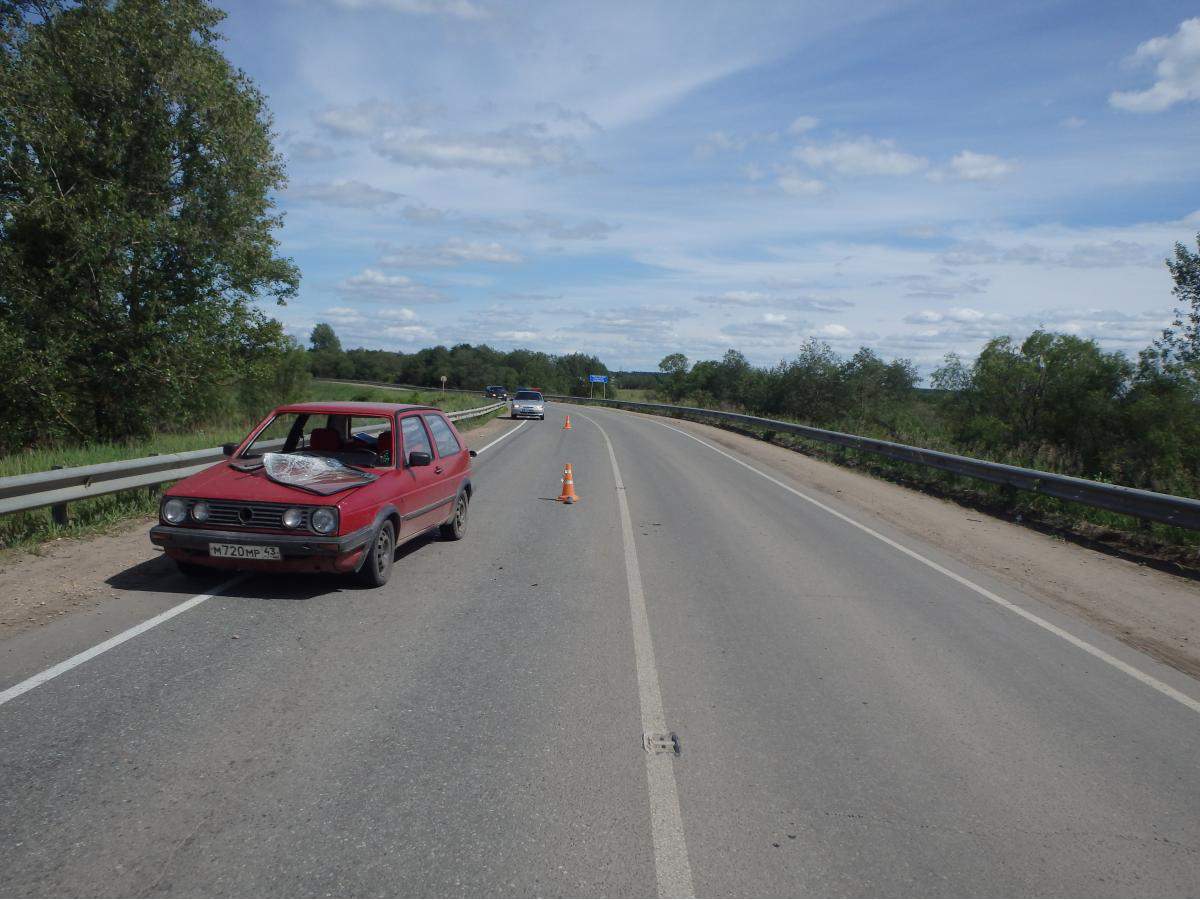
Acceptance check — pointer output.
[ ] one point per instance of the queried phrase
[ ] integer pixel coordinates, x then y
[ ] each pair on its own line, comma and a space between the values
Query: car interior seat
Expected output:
324, 440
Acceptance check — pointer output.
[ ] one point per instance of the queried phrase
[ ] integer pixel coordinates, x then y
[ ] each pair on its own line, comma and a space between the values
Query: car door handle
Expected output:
437, 470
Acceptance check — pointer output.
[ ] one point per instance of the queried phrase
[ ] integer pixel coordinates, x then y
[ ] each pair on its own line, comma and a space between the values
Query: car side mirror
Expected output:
419, 458
229, 449
474, 453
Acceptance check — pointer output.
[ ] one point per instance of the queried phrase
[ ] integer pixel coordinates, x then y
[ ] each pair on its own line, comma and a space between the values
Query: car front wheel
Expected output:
377, 567
456, 528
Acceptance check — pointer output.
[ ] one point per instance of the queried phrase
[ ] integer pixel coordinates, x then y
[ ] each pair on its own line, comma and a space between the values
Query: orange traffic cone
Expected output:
567, 424
568, 488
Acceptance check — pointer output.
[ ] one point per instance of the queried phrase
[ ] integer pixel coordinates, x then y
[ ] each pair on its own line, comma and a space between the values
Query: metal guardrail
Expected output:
58, 487
1181, 511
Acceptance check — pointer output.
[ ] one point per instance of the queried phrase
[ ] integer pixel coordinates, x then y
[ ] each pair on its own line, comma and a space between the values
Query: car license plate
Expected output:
243, 551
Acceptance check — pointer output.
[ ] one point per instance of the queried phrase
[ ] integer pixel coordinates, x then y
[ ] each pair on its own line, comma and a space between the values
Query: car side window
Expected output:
415, 438
443, 436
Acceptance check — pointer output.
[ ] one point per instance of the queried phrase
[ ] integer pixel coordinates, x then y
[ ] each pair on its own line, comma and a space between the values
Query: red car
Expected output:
322, 487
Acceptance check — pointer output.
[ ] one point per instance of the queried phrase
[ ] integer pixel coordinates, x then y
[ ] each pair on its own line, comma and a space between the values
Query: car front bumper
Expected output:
300, 552
528, 413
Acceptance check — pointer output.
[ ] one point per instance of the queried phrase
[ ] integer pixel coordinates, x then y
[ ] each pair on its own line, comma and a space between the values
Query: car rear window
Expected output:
415, 438
443, 436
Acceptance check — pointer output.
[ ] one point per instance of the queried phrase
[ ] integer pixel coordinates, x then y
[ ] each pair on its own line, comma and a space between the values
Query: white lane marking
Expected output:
80, 658
508, 433
674, 872
1149, 680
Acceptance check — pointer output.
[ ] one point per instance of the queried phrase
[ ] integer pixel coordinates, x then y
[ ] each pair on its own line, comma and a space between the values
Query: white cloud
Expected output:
311, 151
454, 252
792, 182
360, 120
970, 166
518, 147
457, 9
716, 142
753, 172
759, 299
1085, 255
1177, 68
961, 315
719, 142
767, 330
349, 194
802, 124
938, 286
833, 331
530, 222
1073, 122
860, 156
372, 284
370, 326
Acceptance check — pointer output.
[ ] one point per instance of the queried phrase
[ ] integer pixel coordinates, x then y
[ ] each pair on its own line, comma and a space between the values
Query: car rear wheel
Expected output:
456, 528
377, 567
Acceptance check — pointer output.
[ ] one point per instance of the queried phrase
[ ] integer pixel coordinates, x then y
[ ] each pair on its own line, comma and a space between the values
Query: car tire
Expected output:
456, 528
541, 418
191, 570
377, 567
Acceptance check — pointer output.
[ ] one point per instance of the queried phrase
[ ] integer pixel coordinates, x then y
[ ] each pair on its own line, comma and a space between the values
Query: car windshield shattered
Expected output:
317, 474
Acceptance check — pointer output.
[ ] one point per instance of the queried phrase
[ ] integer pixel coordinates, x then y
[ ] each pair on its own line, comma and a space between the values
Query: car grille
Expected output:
250, 515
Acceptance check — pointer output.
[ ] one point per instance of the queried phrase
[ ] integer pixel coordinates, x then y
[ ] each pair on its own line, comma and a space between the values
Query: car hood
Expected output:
223, 482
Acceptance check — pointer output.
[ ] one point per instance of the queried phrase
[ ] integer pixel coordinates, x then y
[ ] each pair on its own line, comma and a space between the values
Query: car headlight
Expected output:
293, 518
174, 510
200, 511
323, 520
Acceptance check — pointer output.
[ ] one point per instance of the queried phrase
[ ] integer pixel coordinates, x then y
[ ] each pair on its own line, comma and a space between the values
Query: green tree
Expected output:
1178, 350
1054, 395
136, 219
675, 367
324, 339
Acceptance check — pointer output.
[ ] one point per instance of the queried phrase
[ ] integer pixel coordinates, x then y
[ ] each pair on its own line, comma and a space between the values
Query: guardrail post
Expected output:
58, 512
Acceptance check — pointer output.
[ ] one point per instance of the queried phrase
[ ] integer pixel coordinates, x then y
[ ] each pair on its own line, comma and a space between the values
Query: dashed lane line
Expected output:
672, 869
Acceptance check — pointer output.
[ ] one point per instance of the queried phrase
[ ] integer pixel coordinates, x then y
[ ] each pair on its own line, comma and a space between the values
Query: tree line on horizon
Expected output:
1052, 401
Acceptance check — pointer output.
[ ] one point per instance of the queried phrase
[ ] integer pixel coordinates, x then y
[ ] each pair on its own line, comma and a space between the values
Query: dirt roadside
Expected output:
1151, 610
65, 577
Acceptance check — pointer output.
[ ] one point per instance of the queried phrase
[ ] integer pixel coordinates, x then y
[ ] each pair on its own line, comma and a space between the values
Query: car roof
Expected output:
353, 408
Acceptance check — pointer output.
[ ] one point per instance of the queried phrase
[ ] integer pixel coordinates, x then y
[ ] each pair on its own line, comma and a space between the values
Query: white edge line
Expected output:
1149, 680
115, 641
673, 871
508, 433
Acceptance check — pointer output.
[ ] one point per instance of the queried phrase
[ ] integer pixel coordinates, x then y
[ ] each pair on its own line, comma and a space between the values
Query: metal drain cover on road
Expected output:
660, 743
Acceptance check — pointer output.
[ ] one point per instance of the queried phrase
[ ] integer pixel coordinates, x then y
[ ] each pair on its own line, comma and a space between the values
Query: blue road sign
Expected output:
598, 379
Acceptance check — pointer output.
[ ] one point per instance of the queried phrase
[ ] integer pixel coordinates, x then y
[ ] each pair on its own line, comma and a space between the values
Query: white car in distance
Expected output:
528, 405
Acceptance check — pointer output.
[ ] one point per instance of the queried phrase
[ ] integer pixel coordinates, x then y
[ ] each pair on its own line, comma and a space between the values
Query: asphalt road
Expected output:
852, 719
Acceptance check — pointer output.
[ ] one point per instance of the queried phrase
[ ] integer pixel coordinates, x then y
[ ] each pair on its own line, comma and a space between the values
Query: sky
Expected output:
638, 179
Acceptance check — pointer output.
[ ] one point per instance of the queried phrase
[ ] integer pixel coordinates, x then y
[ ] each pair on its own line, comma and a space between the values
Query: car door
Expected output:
423, 502
453, 461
